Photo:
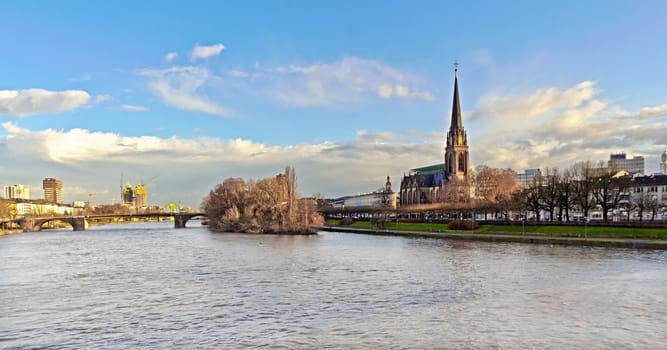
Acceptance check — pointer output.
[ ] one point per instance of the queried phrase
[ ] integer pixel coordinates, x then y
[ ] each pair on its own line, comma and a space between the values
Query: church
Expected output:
450, 181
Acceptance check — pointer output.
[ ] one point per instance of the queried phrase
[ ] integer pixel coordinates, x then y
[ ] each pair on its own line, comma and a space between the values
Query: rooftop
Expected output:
428, 169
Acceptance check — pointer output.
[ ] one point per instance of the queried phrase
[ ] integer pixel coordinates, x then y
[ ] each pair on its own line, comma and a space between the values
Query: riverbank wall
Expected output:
10, 232
502, 237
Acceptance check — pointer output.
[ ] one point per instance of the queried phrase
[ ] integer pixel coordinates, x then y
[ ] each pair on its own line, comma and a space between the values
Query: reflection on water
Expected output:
149, 285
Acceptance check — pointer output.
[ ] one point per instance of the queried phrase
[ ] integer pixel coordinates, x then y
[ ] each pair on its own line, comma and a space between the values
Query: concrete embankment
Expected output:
502, 237
9, 232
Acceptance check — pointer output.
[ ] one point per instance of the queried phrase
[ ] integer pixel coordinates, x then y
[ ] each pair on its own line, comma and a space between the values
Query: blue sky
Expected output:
347, 92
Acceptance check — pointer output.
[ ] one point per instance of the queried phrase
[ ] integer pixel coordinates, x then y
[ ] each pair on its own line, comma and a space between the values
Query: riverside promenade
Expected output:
505, 237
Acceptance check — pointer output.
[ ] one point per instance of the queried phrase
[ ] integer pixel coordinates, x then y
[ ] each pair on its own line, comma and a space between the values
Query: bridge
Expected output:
80, 223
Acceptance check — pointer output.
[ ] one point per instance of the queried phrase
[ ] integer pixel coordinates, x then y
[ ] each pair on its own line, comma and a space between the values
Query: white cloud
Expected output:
85, 77
179, 87
27, 102
518, 110
170, 57
94, 160
101, 98
387, 91
238, 73
202, 52
349, 80
653, 112
553, 127
131, 108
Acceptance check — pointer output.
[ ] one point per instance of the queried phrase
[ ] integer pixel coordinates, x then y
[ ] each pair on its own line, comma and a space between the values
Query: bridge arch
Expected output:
181, 219
77, 223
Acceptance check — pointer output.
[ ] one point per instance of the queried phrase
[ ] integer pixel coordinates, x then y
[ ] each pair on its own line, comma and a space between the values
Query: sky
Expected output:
347, 92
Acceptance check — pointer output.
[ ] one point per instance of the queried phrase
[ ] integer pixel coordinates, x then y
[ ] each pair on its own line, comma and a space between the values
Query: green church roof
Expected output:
428, 169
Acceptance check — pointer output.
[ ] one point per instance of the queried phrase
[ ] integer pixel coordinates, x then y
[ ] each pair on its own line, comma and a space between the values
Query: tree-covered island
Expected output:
269, 205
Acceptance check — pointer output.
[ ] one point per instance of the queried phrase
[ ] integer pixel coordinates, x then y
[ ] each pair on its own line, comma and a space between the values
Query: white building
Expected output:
373, 200
17, 192
619, 161
42, 209
649, 192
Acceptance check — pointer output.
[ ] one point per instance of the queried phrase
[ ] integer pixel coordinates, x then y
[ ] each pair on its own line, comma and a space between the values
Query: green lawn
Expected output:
417, 226
590, 231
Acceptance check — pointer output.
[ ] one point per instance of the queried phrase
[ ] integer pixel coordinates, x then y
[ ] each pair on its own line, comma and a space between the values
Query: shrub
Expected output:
346, 221
379, 222
462, 225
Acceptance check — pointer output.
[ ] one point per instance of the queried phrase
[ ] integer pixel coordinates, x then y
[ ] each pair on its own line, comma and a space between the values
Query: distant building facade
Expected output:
528, 175
17, 192
448, 181
38, 208
52, 190
619, 161
384, 198
649, 192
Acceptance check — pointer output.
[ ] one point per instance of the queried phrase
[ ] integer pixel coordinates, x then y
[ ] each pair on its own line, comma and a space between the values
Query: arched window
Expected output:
462, 162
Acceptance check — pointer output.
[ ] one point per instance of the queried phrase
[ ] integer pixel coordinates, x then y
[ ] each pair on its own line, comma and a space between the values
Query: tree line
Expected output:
565, 195
585, 187
269, 205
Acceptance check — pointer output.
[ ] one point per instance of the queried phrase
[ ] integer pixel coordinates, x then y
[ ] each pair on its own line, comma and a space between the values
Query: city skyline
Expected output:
347, 93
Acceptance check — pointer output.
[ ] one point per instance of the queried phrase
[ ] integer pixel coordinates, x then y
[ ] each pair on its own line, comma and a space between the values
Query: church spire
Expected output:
456, 105
457, 160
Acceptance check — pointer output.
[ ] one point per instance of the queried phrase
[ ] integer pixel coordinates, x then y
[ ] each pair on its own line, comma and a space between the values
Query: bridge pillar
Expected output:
79, 224
27, 225
180, 220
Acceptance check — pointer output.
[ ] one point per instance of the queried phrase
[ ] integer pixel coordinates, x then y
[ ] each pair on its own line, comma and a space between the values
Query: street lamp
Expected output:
523, 226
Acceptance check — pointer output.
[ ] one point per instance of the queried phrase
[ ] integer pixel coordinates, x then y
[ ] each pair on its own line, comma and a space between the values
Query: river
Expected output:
149, 285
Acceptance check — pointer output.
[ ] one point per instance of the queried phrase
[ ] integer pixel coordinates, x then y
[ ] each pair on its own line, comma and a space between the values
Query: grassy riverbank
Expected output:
537, 230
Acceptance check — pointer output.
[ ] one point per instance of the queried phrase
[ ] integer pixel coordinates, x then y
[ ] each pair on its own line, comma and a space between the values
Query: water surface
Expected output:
152, 286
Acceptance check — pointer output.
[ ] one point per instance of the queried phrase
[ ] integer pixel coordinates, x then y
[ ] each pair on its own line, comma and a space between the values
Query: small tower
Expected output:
387, 185
663, 162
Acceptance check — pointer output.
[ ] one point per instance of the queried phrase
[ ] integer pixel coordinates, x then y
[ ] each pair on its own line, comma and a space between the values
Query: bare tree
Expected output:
290, 175
567, 195
645, 202
266, 205
495, 187
532, 196
4, 209
551, 191
608, 189
582, 177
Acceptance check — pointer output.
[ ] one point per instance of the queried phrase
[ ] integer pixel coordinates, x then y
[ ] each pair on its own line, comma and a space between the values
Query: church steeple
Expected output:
456, 105
457, 159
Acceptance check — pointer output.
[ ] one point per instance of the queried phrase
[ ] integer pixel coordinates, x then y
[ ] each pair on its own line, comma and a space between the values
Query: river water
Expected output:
152, 286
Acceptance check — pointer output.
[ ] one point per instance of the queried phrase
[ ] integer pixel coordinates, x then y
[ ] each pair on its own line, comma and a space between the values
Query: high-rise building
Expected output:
663, 163
17, 192
140, 196
528, 175
127, 195
52, 190
619, 161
